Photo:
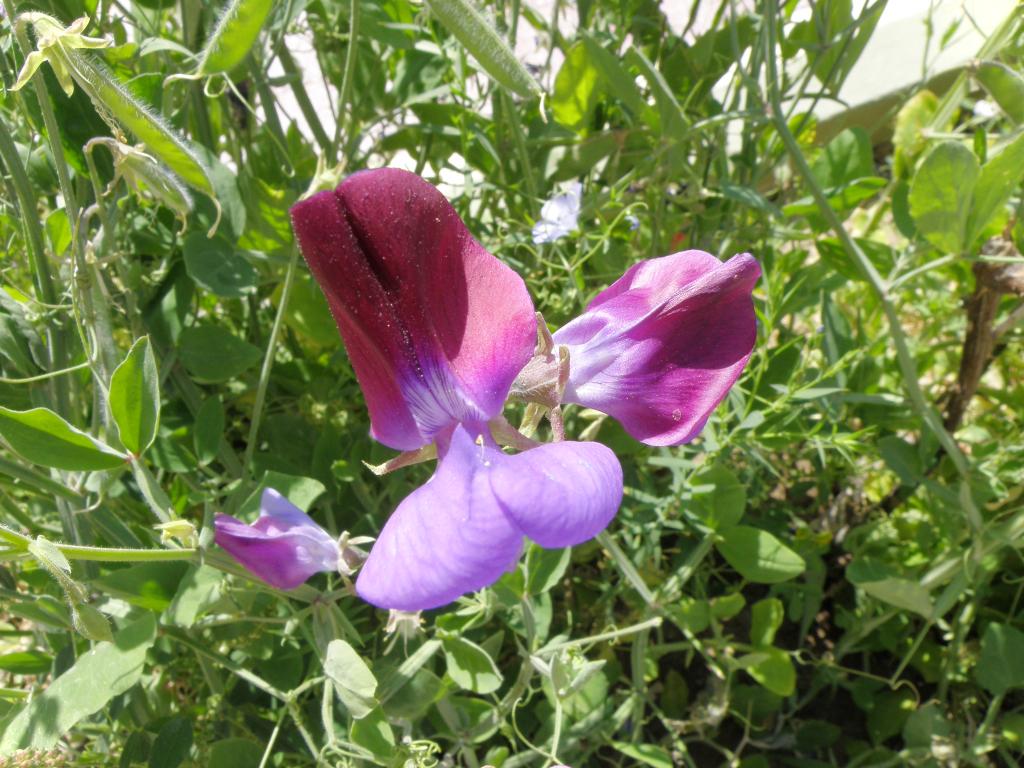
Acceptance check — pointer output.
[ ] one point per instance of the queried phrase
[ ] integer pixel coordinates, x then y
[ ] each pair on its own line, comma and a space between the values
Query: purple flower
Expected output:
660, 348
559, 216
284, 547
464, 528
437, 330
435, 326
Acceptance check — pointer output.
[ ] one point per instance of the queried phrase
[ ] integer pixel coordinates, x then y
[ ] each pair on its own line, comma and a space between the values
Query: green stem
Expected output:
905, 359
628, 569
350, 64
45, 291
37, 481
643, 626
124, 555
302, 99
268, 360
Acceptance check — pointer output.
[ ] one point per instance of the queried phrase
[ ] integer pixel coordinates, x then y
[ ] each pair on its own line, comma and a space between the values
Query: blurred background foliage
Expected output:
829, 575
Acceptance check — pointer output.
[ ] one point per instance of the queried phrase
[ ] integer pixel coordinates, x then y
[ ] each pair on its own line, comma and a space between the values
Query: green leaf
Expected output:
470, 667
845, 159
208, 430
999, 177
300, 491
478, 36
545, 567
765, 619
353, 681
41, 436
216, 266
212, 353
373, 733
941, 194
135, 397
197, 591
148, 585
172, 744
90, 623
719, 498
236, 32
234, 753
1005, 86
99, 675
648, 754
772, 668
26, 663
577, 88
621, 84
902, 458
758, 556
1001, 663
884, 583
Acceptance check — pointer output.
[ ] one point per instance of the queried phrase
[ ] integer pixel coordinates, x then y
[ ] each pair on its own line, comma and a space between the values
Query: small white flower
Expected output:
985, 109
559, 215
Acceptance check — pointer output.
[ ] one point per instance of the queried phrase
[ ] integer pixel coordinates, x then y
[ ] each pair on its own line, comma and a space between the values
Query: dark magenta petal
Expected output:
435, 326
464, 528
661, 347
284, 547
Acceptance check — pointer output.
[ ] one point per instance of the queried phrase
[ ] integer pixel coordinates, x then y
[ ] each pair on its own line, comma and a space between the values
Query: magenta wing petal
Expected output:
284, 547
661, 347
447, 538
463, 529
436, 327
559, 494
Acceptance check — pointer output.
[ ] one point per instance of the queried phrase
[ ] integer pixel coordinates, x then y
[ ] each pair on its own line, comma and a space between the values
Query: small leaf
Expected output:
90, 623
647, 754
216, 266
1001, 663
470, 667
765, 620
26, 662
908, 136
212, 353
353, 681
902, 458
545, 567
999, 177
478, 36
172, 744
718, 497
208, 430
373, 733
97, 677
135, 397
941, 193
577, 88
772, 668
42, 437
758, 556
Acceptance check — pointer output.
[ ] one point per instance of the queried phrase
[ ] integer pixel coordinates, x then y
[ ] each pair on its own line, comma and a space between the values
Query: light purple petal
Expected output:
447, 538
559, 216
435, 326
661, 347
284, 547
559, 494
463, 529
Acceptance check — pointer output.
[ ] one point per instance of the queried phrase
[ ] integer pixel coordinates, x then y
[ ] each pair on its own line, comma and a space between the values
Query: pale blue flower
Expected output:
559, 215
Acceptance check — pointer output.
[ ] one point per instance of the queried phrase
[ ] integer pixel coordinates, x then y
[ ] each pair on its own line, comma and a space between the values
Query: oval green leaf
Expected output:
941, 193
470, 666
217, 267
135, 397
41, 436
211, 353
758, 556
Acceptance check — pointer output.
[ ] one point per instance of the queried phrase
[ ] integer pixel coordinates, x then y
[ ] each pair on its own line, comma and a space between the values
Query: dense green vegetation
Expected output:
830, 574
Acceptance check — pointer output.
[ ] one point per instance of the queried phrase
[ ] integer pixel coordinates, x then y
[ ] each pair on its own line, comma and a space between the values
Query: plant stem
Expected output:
904, 357
268, 360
